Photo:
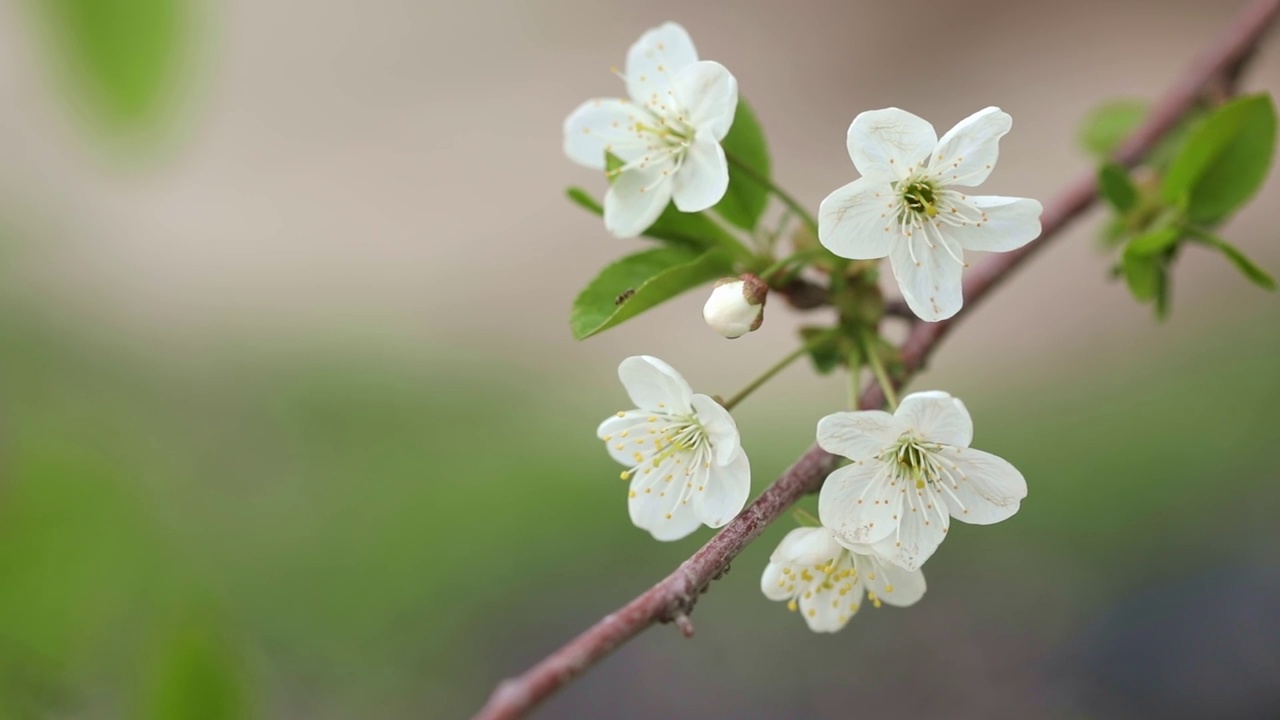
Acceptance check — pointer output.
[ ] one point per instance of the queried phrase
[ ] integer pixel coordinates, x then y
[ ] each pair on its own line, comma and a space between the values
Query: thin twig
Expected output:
672, 599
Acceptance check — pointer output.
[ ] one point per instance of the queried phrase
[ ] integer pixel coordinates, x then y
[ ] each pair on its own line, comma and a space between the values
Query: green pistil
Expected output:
920, 197
663, 132
914, 462
679, 438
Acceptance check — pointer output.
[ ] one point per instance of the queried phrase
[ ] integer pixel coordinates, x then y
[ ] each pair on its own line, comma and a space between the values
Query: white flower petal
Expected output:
827, 611
967, 153
858, 502
721, 430
724, 493
680, 525
892, 585
937, 417
615, 424
857, 221
774, 584
816, 547
1011, 223
636, 199
622, 432
859, 435
601, 123
929, 277
917, 538
786, 550
656, 506
887, 144
654, 60
708, 94
654, 385
987, 488
703, 177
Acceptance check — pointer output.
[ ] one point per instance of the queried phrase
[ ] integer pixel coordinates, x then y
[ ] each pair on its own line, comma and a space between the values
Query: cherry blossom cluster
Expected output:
910, 472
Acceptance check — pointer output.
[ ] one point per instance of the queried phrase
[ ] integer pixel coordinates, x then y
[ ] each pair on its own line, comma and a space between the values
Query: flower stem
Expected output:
877, 368
730, 239
778, 266
777, 368
772, 240
778, 192
855, 367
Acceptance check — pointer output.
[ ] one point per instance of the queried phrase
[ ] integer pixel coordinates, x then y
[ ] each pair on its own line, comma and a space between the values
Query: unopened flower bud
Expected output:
736, 305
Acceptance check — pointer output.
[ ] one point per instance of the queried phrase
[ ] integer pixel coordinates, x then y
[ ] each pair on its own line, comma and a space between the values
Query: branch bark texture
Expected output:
672, 599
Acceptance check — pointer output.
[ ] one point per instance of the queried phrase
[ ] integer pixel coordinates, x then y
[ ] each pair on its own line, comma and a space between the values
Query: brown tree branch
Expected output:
672, 599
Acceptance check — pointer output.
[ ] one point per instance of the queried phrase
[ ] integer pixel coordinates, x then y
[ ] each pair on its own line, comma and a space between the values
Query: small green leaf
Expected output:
694, 230
1162, 293
199, 675
746, 198
1108, 125
827, 355
1247, 267
124, 55
1154, 242
1224, 160
1143, 274
583, 199
638, 282
1116, 187
1114, 231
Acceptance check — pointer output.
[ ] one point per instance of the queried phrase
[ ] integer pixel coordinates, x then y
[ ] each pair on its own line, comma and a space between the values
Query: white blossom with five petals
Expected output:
827, 582
911, 473
685, 458
910, 206
667, 134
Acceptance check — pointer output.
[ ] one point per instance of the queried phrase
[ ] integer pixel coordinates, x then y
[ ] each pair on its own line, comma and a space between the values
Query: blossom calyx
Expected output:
736, 305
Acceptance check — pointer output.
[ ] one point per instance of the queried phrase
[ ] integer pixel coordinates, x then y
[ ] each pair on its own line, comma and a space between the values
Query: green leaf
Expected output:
1162, 293
1114, 231
1154, 242
583, 199
827, 355
638, 282
1247, 267
1144, 274
746, 198
123, 55
1224, 160
1108, 125
694, 230
1116, 187
199, 676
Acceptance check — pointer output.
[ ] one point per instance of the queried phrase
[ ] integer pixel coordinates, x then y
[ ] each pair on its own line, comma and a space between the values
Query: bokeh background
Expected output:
292, 425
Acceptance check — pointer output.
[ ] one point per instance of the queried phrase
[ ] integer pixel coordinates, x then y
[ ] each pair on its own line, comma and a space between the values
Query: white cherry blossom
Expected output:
911, 473
685, 461
828, 582
667, 134
911, 206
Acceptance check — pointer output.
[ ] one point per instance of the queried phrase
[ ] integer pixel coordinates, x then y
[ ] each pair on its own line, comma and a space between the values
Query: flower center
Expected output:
665, 139
920, 197
912, 459
671, 131
838, 575
683, 435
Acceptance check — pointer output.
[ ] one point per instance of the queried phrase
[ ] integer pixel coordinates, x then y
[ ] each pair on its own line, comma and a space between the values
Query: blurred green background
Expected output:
291, 425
